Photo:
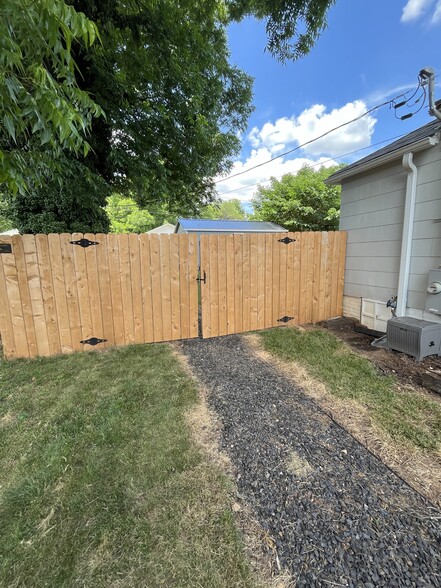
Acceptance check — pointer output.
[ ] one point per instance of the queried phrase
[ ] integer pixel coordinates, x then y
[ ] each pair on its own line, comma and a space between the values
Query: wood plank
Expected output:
35, 293
260, 281
246, 316
222, 284
102, 258
230, 284
277, 311
126, 289
6, 328
90, 256
14, 300
155, 265
253, 282
303, 278
289, 279
115, 288
164, 241
309, 275
20, 263
205, 288
83, 291
56, 261
192, 274
184, 285
316, 293
136, 282
329, 264
47, 289
175, 288
146, 289
323, 286
342, 266
335, 274
214, 285
269, 281
296, 269
283, 249
70, 285
238, 283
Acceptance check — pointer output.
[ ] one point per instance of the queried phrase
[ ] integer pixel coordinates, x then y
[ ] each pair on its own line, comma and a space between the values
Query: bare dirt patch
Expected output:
420, 470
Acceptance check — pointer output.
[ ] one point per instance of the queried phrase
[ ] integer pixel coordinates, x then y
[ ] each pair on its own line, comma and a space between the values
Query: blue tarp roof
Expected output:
194, 225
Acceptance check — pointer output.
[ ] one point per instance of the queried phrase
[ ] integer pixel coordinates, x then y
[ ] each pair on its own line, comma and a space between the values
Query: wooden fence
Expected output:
65, 293
59, 297
257, 281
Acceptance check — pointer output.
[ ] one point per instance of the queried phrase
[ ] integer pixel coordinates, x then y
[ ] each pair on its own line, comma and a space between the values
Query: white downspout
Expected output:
406, 240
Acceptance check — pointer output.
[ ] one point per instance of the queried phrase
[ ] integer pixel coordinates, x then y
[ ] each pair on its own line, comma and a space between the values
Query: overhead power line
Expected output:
318, 164
390, 102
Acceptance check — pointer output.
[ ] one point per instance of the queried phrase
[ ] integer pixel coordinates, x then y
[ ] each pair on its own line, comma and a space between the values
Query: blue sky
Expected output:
371, 51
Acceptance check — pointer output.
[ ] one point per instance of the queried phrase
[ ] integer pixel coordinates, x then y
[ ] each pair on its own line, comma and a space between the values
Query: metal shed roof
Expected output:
394, 150
194, 225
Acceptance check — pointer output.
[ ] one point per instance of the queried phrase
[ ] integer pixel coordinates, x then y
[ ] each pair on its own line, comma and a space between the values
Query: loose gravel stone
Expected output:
337, 514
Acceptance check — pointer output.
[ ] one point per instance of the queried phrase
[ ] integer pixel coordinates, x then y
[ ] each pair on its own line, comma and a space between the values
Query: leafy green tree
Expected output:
5, 222
300, 202
126, 216
292, 26
42, 110
226, 209
173, 101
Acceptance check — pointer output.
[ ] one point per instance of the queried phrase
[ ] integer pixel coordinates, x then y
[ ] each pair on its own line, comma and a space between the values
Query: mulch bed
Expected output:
405, 368
338, 516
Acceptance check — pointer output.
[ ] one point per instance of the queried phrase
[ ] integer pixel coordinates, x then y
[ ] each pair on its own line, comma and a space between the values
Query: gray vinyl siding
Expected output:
372, 213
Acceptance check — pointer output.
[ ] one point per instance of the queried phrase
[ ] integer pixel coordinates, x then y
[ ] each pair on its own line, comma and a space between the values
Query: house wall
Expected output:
372, 213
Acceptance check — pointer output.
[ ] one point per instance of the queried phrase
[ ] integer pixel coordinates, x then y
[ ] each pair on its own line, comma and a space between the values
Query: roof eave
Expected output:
205, 230
342, 175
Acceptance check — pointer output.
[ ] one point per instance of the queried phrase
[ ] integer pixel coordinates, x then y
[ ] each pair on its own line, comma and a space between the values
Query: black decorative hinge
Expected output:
93, 341
5, 248
204, 279
285, 319
286, 240
84, 242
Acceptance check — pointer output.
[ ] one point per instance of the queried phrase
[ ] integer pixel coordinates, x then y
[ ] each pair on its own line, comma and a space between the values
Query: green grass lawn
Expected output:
407, 417
101, 483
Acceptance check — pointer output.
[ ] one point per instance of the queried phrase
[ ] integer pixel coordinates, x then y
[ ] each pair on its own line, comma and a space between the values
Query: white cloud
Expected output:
414, 9
314, 122
274, 138
245, 185
436, 18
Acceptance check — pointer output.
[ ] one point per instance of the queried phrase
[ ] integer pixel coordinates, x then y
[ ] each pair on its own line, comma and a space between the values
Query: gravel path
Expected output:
338, 515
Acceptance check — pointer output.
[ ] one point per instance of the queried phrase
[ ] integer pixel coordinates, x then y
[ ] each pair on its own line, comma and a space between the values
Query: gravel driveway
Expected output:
338, 515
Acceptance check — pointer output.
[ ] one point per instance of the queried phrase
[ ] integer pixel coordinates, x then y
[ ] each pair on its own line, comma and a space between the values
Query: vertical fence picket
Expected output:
59, 285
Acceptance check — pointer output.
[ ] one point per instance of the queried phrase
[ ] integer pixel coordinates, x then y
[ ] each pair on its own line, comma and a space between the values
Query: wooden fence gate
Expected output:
256, 281
65, 293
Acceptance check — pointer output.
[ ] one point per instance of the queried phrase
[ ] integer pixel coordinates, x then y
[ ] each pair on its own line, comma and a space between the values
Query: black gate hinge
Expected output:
286, 240
93, 341
285, 319
84, 242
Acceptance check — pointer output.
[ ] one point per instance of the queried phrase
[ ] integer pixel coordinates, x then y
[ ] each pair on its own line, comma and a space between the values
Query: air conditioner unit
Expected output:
413, 336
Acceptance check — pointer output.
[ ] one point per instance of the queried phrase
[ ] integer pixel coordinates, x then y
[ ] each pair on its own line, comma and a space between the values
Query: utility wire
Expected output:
387, 102
319, 163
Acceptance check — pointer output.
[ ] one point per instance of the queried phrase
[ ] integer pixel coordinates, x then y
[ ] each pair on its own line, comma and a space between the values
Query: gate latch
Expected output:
204, 279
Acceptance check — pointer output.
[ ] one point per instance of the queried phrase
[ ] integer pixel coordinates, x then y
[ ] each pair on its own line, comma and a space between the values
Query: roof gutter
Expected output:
339, 176
406, 239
